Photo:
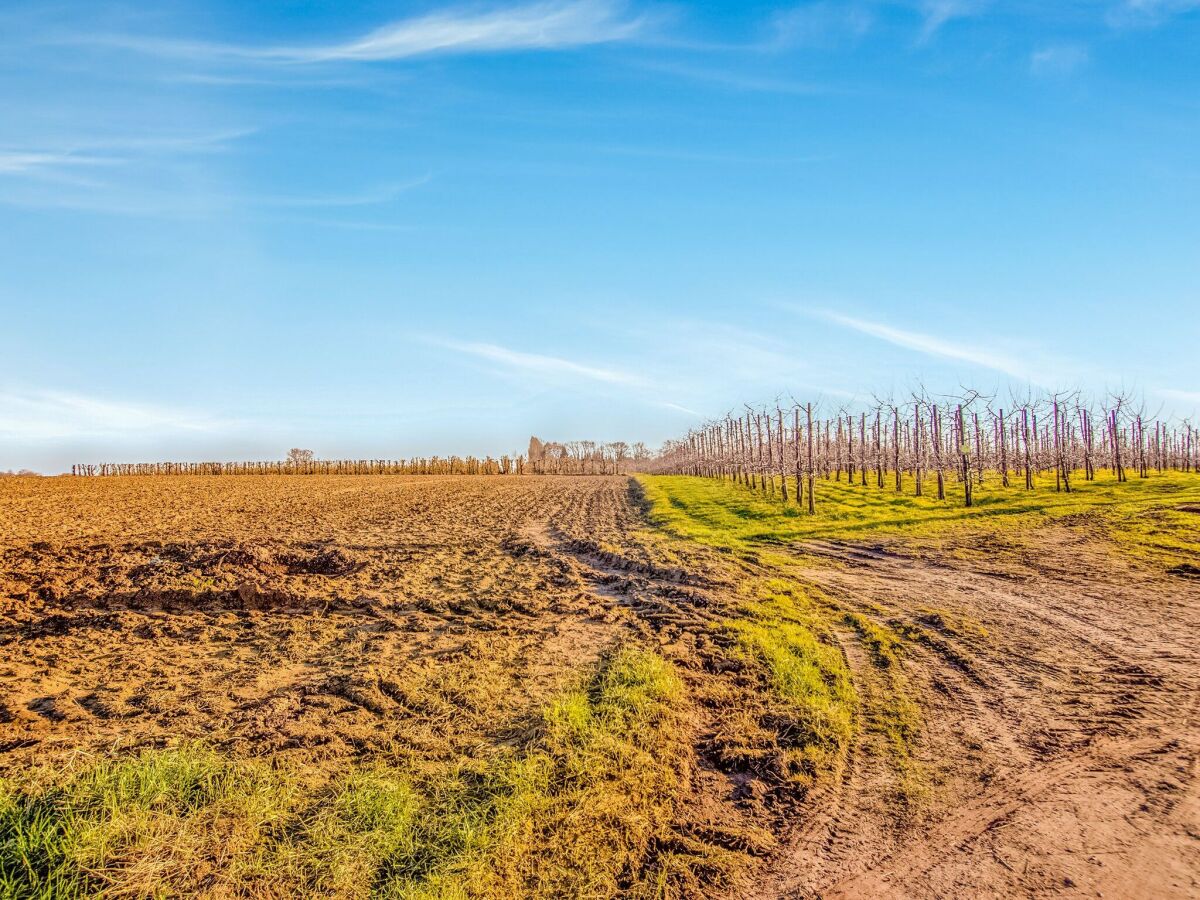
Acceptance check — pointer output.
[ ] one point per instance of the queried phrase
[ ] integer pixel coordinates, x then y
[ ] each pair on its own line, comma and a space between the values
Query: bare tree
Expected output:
299, 457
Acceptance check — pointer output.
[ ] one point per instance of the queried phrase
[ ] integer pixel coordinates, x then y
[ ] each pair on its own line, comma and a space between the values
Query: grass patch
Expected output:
891, 712
578, 811
1164, 535
954, 624
881, 642
573, 815
186, 818
1148, 517
779, 633
342, 848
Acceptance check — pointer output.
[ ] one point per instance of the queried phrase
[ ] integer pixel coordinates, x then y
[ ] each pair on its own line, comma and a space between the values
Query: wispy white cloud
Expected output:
165, 198
700, 156
938, 13
322, 221
62, 159
155, 176
58, 415
557, 370
822, 24
547, 25
687, 346
95, 149
273, 79
736, 80
201, 142
939, 347
23, 162
1148, 13
675, 407
1059, 59
367, 197
539, 364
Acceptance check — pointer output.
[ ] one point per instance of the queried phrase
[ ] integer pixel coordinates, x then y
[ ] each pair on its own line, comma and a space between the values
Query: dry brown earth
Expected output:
326, 619
1061, 745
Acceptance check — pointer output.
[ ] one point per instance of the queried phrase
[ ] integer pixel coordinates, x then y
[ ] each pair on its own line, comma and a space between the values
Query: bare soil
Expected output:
328, 619
1061, 746
313, 617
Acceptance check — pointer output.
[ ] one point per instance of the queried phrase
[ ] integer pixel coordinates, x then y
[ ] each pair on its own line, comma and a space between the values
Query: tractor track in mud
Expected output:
1062, 763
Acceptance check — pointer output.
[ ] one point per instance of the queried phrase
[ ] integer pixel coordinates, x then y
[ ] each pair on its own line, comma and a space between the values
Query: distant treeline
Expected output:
434, 465
922, 442
585, 457
543, 458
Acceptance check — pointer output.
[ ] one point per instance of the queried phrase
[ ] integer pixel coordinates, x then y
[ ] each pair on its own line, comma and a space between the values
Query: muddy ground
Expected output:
326, 619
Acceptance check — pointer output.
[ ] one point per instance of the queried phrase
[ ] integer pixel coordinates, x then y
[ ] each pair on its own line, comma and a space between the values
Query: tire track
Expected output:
1071, 758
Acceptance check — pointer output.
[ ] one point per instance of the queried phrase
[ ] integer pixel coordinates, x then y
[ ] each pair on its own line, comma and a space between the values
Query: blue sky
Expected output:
391, 228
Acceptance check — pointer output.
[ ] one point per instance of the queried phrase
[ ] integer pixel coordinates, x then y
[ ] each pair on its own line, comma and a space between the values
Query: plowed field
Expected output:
508, 687
302, 616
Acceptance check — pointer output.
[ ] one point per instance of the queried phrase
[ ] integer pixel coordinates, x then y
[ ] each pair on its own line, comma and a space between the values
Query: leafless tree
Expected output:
299, 458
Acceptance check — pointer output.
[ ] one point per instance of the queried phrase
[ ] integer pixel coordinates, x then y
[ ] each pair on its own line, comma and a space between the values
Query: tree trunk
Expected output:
812, 508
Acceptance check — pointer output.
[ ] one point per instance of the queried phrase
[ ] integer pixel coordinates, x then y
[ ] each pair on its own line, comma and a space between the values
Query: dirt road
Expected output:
1061, 745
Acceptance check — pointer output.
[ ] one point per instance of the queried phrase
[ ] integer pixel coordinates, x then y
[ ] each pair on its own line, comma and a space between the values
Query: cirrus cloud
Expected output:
550, 25
37, 415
